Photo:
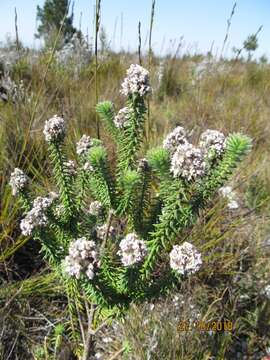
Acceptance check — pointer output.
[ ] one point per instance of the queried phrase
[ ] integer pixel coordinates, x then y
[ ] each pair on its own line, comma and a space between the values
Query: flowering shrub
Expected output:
115, 232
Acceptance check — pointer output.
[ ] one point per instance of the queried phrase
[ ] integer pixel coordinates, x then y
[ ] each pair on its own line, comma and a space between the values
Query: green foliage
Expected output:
52, 17
130, 138
101, 181
139, 197
231, 97
63, 180
159, 160
129, 183
106, 112
251, 43
237, 146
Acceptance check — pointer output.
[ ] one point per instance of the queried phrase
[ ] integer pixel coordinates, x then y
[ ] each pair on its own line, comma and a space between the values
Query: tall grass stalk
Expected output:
140, 43
229, 22
97, 25
150, 54
16, 30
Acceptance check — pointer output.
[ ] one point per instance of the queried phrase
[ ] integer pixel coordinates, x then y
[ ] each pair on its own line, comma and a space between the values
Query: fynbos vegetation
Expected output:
134, 223
114, 234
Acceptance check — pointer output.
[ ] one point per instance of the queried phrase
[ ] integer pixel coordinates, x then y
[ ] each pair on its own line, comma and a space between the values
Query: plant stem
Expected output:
97, 24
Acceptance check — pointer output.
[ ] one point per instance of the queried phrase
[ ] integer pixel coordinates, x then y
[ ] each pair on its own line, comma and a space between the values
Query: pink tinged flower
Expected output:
121, 119
18, 181
95, 208
83, 145
175, 138
188, 162
36, 217
185, 258
54, 129
90, 272
102, 231
136, 82
82, 258
212, 142
132, 250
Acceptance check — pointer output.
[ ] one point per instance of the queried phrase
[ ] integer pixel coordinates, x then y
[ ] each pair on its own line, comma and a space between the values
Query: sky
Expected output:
200, 23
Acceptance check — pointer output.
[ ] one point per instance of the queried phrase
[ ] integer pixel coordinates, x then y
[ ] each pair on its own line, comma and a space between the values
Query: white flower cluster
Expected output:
121, 119
132, 250
36, 217
18, 181
136, 82
82, 258
71, 167
102, 230
95, 208
185, 258
83, 145
174, 139
212, 140
188, 162
54, 129
227, 192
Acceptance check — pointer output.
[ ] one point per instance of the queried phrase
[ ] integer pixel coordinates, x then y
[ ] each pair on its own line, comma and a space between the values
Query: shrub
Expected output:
114, 235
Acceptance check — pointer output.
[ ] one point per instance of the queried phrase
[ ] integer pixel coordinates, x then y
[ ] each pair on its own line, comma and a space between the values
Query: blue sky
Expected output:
200, 22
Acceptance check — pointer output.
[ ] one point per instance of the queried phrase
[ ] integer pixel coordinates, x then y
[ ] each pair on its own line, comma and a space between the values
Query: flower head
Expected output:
188, 162
212, 140
185, 258
90, 271
95, 208
33, 219
36, 217
132, 250
54, 129
42, 203
174, 139
136, 82
102, 230
27, 225
83, 145
121, 119
18, 181
82, 258
72, 267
